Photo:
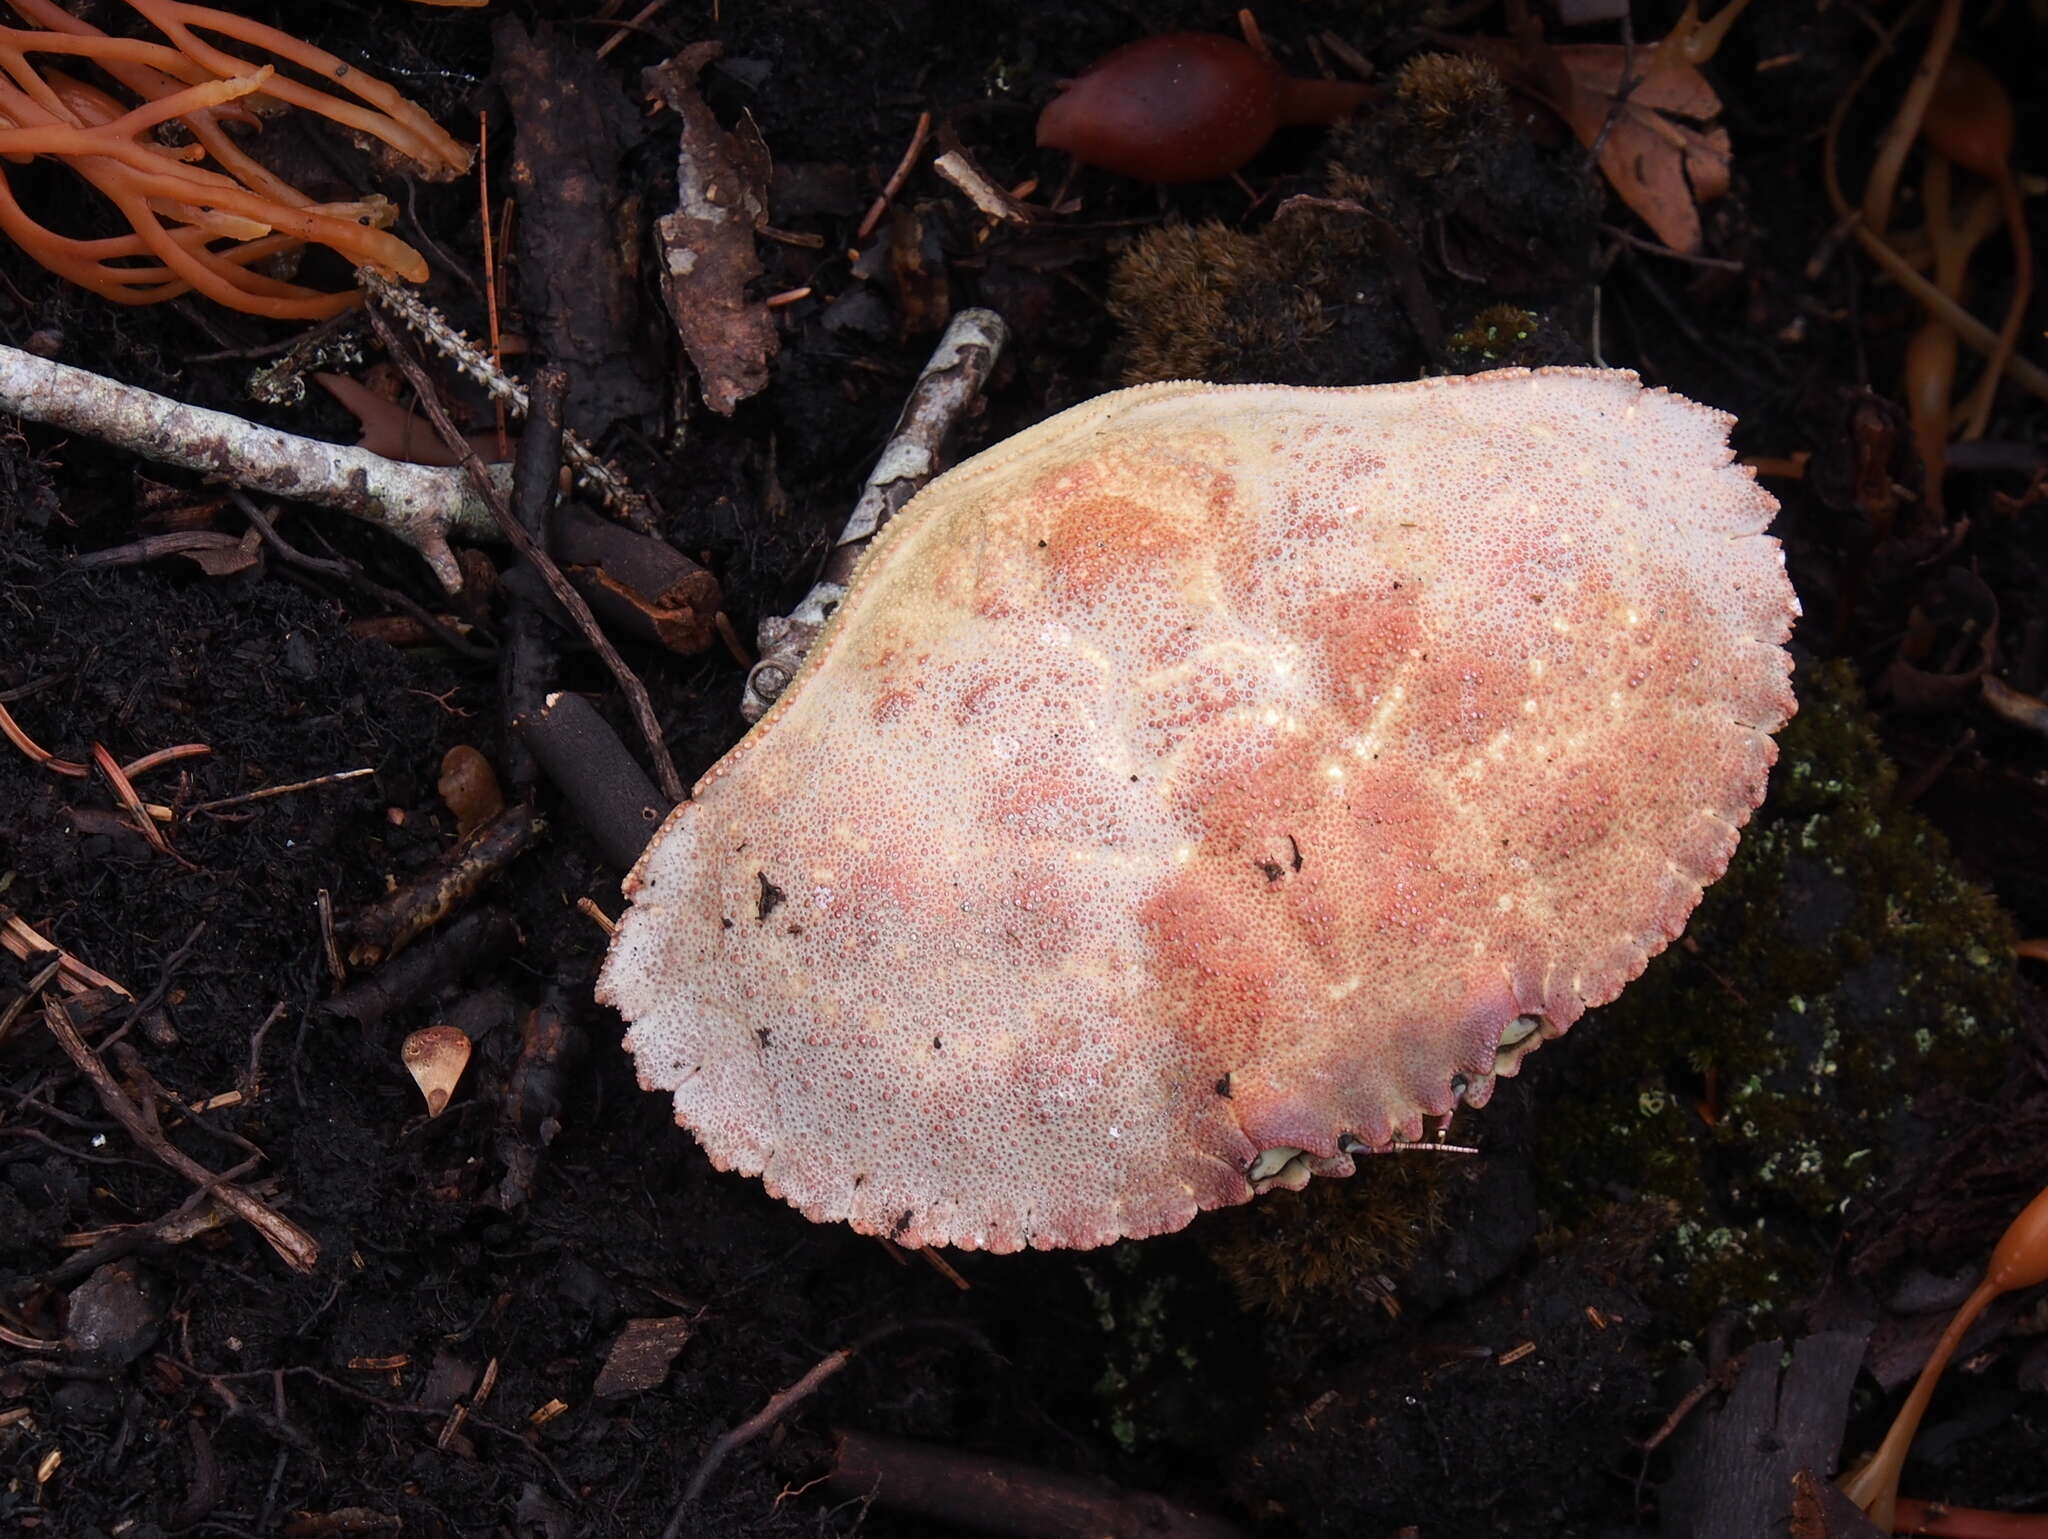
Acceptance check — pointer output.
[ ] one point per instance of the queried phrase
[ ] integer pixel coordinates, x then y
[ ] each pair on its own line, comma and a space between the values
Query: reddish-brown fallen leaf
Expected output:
1653, 155
397, 434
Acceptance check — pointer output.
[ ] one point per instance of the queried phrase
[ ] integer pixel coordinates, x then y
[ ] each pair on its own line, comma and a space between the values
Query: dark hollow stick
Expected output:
423, 971
603, 783
501, 511
643, 586
526, 665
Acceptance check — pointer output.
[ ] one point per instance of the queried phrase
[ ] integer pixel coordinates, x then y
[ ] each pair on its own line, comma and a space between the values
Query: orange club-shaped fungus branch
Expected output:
1207, 786
2020, 1260
195, 226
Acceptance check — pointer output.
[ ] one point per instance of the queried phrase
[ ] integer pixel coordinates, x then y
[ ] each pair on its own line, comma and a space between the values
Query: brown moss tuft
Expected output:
1454, 103
1170, 292
1445, 163
1308, 301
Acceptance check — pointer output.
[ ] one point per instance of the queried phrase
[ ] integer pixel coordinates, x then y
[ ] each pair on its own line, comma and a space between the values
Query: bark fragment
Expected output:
706, 247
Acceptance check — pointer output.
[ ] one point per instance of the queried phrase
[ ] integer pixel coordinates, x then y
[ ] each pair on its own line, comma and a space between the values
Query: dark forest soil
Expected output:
1348, 1361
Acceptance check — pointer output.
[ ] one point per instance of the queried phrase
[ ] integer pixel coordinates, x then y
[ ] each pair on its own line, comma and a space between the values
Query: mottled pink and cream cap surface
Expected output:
1207, 784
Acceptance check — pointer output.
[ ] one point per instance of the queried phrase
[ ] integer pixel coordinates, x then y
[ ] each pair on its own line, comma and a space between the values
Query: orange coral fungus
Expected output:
204, 213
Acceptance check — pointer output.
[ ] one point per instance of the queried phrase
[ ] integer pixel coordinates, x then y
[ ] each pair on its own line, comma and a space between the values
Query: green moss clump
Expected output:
1762, 1072
1335, 1246
1509, 337
1170, 1348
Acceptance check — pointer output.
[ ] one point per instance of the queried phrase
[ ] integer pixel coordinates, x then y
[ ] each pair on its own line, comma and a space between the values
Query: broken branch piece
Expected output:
949, 385
1205, 786
421, 504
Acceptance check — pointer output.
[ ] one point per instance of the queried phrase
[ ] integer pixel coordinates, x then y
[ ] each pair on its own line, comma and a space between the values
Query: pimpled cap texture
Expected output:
1211, 771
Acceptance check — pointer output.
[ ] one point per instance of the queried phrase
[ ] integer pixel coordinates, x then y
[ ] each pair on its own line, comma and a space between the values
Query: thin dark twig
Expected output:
494, 498
526, 657
28, 1102
265, 793
389, 1407
122, 1242
254, 1076
1658, 248
37, 1135
356, 577
136, 1072
779, 1405
783, 1401
21, 1001
298, 1248
165, 976
1674, 313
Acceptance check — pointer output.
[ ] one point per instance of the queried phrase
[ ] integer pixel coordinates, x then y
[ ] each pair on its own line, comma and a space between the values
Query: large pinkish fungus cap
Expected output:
1208, 784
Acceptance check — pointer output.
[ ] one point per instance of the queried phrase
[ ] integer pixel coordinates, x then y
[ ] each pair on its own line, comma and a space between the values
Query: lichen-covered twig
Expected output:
421, 504
430, 326
951, 382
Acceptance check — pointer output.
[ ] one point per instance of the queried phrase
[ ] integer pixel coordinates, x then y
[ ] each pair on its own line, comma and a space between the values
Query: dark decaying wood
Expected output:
635, 583
551, 1045
1003, 1496
439, 961
527, 656
609, 792
394, 922
576, 242
1737, 1465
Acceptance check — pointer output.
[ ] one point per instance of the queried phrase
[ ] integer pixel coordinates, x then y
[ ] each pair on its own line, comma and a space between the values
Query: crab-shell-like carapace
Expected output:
1209, 784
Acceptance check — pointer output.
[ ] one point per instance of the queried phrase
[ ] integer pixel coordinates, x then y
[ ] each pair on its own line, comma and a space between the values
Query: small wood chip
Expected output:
639, 1360
1516, 1354
547, 1413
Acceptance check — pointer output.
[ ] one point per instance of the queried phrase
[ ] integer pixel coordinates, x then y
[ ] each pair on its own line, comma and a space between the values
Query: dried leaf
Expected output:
707, 244
1662, 166
397, 434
